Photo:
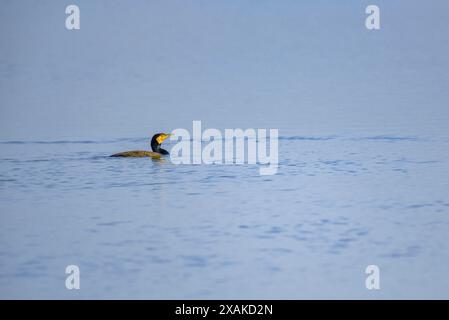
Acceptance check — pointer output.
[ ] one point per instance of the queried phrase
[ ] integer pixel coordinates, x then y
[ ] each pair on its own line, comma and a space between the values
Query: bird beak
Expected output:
163, 137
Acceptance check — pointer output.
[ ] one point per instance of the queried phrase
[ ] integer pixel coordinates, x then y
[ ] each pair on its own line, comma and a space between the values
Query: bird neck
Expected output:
156, 147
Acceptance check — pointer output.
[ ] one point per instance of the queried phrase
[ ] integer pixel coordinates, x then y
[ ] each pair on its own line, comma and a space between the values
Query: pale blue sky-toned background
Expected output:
300, 66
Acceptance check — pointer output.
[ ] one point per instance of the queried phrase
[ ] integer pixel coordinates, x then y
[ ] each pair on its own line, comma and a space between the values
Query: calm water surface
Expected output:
139, 228
364, 170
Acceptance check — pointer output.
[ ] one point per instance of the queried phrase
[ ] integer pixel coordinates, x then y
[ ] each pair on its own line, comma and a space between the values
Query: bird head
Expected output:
157, 140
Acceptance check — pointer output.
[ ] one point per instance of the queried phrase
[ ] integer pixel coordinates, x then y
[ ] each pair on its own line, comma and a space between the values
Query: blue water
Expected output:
364, 138
139, 228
